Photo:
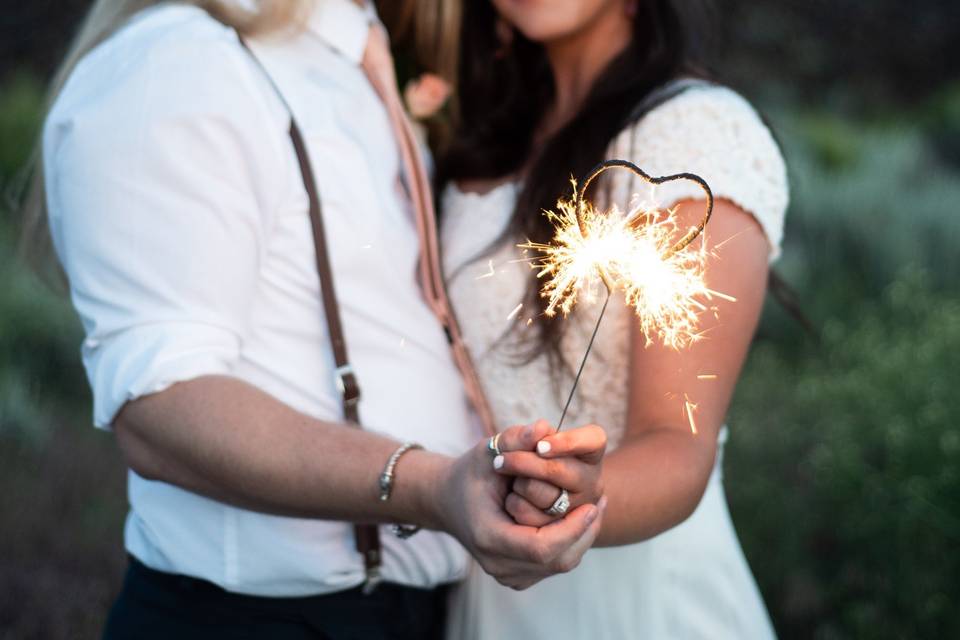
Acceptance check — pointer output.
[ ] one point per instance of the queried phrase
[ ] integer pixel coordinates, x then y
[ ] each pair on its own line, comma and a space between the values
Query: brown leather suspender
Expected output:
367, 535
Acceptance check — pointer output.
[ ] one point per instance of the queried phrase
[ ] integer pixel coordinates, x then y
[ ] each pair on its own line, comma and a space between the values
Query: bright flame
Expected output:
632, 254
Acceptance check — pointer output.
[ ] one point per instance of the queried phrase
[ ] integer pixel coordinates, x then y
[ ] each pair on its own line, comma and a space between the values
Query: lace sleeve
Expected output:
715, 133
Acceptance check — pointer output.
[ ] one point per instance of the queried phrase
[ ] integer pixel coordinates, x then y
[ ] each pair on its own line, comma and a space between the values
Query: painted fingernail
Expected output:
592, 515
498, 462
543, 447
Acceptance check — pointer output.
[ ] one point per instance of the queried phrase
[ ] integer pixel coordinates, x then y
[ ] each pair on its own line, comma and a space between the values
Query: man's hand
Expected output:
544, 462
470, 503
225, 439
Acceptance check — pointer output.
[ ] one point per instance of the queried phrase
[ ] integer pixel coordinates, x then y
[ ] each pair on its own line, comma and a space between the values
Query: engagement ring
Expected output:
560, 505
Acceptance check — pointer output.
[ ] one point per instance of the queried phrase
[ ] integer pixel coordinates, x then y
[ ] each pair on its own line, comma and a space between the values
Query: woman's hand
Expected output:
570, 460
469, 501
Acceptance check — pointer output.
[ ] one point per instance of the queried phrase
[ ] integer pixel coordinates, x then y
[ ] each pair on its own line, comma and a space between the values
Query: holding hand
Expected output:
470, 503
570, 460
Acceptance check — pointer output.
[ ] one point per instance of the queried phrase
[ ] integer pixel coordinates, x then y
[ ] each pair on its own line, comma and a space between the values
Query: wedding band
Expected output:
560, 505
493, 445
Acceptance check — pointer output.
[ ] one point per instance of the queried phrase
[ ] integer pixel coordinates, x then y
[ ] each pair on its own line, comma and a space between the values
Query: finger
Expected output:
560, 535
539, 493
571, 474
537, 548
587, 443
524, 438
570, 559
526, 513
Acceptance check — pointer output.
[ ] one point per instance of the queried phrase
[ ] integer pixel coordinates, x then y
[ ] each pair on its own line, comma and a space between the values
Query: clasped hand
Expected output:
543, 462
495, 506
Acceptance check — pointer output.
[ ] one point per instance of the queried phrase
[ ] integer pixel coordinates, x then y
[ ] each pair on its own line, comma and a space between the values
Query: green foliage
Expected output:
843, 467
21, 101
844, 470
40, 373
854, 224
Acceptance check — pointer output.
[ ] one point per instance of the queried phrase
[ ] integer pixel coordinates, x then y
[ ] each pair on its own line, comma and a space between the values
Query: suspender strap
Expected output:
367, 535
344, 376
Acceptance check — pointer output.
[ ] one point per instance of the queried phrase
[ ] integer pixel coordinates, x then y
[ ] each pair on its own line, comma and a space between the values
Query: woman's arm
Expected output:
678, 401
655, 479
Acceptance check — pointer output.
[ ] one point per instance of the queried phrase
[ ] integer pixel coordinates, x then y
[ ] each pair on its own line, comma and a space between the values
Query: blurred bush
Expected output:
844, 470
61, 552
843, 467
40, 372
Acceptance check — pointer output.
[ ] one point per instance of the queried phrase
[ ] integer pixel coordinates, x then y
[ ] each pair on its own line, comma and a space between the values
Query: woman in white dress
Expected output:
548, 89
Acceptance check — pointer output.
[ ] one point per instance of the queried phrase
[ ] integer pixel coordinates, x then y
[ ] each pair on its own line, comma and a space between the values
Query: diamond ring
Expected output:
560, 505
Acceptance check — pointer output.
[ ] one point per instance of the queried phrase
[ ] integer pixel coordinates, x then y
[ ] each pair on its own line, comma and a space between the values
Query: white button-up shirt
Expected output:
178, 212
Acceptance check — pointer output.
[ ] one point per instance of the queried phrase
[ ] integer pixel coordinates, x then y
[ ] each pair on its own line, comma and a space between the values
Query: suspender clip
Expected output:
346, 381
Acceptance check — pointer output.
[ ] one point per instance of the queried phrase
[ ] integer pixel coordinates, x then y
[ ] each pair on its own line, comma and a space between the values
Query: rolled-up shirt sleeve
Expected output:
159, 171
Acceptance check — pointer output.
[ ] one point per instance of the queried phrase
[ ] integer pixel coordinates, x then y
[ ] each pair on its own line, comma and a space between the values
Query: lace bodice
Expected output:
708, 130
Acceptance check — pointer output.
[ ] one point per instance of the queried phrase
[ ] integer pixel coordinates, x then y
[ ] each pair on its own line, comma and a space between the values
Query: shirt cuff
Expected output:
148, 359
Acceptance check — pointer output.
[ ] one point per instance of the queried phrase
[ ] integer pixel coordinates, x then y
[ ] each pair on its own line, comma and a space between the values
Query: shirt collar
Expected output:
343, 25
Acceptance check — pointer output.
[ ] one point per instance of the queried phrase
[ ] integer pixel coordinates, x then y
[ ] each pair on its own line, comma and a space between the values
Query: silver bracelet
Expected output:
402, 531
386, 478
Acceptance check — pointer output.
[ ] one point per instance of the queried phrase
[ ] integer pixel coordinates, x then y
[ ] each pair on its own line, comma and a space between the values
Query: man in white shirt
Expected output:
178, 213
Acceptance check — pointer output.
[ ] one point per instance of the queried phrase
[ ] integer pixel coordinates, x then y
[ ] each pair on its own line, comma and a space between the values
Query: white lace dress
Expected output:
691, 581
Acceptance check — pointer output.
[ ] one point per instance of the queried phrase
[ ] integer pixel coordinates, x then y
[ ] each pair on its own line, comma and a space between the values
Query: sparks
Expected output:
515, 311
631, 252
690, 408
490, 273
637, 254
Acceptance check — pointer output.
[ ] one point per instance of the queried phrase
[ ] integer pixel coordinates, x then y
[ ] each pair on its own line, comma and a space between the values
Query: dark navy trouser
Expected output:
156, 605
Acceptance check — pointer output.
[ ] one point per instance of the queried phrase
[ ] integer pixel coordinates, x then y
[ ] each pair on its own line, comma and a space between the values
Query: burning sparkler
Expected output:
634, 253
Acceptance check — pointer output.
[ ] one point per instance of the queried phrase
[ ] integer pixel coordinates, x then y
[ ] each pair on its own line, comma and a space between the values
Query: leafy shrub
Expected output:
854, 225
844, 470
21, 103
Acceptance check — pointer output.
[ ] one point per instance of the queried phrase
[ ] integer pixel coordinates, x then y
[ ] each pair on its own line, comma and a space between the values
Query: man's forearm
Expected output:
225, 439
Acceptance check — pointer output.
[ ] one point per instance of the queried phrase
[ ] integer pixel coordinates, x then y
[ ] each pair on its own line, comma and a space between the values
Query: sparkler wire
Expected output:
681, 244
576, 380
691, 235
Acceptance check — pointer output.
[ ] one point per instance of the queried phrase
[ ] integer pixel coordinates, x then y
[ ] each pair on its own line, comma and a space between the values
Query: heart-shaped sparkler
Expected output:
606, 165
636, 255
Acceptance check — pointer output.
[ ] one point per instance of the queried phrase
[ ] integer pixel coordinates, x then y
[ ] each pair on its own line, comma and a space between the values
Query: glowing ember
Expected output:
630, 253
490, 272
689, 407
637, 253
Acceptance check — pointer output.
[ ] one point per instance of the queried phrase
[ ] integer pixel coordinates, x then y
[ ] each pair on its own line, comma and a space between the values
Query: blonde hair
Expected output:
430, 31
103, 20
432, 27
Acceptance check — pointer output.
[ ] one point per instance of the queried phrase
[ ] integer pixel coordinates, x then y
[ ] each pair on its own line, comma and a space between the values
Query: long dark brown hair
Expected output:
504, 92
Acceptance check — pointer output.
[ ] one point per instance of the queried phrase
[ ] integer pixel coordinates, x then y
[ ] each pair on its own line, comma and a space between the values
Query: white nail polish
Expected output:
498, 462
543, 447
